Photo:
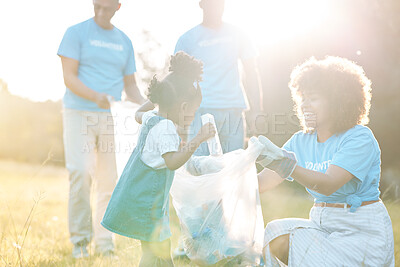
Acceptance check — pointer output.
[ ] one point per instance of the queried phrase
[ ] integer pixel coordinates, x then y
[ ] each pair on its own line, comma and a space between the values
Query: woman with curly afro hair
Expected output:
337, 159
139, 205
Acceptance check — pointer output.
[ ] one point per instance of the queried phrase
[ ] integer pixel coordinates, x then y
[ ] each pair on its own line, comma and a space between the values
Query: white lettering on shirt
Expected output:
215, 41
318, 166
112, 46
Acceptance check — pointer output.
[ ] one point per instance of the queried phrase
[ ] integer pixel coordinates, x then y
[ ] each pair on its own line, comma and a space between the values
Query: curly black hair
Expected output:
178, 85
339, 80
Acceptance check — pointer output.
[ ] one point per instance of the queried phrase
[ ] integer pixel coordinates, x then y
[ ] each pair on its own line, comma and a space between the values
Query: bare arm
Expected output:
252, 84
70, 68
324, 183
254, 94
131, 89
284, 163
174, 160
143, 109
268, 179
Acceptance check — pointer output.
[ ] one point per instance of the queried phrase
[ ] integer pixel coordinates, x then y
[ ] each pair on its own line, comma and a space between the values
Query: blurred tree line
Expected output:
30, 131
365, 31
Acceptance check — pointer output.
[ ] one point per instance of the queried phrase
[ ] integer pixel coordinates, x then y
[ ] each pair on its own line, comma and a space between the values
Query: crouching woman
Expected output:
337, 159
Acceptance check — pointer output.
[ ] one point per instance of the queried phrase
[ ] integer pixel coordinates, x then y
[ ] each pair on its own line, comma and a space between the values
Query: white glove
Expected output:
199, 165
274, 158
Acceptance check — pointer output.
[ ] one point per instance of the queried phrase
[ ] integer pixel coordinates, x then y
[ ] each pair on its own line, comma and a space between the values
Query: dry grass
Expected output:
33, 219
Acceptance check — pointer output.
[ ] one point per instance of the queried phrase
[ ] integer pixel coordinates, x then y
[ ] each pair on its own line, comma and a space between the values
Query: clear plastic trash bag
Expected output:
220, 212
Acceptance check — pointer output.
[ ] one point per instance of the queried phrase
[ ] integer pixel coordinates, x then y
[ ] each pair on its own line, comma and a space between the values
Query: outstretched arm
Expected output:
285, 164
252, 84
268, 180
132, 90
143, 109
324, 183
174, 160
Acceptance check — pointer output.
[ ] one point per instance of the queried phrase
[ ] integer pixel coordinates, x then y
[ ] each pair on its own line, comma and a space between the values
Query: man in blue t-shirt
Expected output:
220, 46
98, 64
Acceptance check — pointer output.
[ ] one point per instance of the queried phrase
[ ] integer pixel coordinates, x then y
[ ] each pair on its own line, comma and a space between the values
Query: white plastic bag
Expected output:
126, 131
214, 145
199, 165
220, 213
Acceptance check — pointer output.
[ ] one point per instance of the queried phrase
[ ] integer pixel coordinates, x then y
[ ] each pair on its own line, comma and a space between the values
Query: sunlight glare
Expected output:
268, 21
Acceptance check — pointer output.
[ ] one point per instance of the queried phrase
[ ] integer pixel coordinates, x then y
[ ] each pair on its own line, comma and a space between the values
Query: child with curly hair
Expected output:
338, 160
139, 205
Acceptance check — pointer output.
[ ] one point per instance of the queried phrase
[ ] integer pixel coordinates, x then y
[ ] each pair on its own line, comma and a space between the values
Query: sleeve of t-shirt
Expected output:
247, 47
180, 46
168, 138
147, 115
356, 154
131, 64
70, 45
288, 145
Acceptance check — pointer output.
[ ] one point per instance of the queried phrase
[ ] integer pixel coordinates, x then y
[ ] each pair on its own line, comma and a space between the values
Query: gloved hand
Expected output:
276, 159
200, 165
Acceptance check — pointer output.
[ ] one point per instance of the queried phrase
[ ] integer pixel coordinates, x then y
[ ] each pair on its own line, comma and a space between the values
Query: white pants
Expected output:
336, 237
90, 159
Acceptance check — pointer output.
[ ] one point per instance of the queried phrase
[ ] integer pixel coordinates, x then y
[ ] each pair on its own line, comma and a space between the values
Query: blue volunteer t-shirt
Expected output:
355, 150
105, 57
219, 50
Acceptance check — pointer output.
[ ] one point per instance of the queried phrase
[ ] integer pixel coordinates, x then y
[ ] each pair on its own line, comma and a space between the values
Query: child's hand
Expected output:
176, 159
206, 132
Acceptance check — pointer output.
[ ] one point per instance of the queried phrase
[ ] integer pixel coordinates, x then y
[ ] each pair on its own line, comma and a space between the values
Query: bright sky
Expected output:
31, 31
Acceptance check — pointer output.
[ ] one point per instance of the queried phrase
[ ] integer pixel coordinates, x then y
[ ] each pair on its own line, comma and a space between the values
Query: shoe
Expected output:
79, 252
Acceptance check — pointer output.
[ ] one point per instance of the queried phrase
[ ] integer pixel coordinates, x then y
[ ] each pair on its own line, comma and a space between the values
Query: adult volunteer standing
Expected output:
98, 64
221, 46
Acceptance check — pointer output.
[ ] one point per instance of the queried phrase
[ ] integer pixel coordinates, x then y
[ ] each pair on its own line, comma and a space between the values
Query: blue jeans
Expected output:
230, 126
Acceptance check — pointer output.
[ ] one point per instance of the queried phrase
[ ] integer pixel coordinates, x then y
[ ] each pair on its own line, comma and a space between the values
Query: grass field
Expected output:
33, 219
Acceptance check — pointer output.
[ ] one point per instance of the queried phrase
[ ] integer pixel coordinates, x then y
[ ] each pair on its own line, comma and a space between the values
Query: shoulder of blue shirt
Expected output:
358, 131
196, 28
90, 21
